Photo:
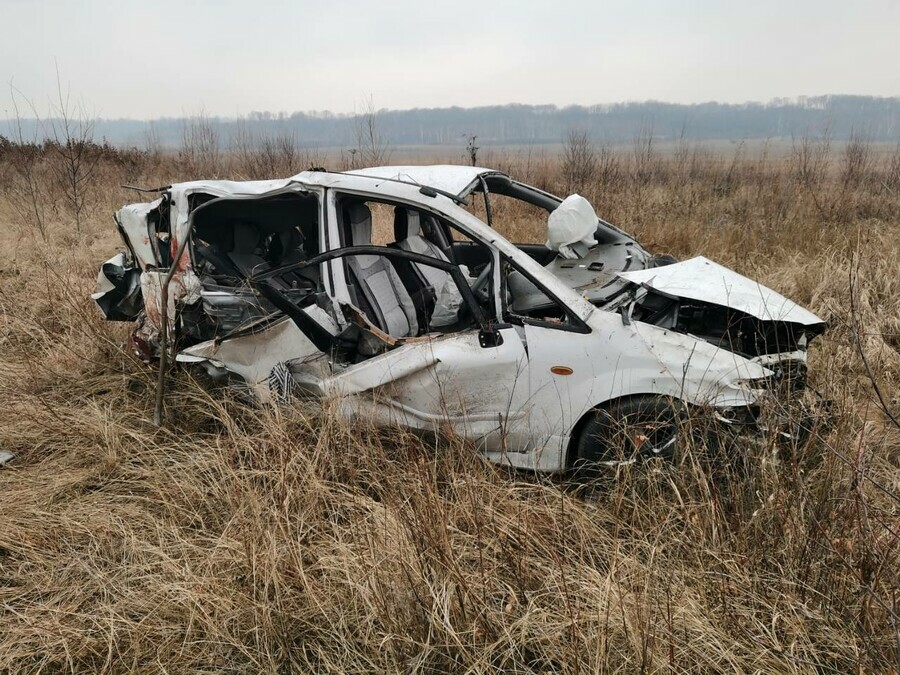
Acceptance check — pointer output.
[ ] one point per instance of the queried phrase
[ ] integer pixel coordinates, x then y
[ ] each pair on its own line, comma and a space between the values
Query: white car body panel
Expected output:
702, 279
253, 356
448, 383
133, 220
447, 177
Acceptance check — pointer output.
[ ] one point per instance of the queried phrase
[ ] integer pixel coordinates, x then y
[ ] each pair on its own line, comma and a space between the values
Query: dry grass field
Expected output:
242, 539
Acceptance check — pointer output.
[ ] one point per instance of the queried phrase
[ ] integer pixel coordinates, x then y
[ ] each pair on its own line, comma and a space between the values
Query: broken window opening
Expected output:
428, 289
382, 315
526, 301
236, 239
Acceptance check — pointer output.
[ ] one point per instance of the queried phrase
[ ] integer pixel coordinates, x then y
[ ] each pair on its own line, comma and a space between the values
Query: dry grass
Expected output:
254, 540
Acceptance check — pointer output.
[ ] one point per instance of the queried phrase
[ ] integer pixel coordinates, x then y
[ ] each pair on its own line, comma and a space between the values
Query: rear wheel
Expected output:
629, 430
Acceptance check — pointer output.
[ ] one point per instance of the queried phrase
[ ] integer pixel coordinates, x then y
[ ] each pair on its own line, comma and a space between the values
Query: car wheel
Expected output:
628, 430
663, 260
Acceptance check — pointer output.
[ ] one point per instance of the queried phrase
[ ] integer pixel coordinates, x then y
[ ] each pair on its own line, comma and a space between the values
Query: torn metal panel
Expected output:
134, 221
183, 289
119, 289
252, 355
377, 372
449, 383
704, 280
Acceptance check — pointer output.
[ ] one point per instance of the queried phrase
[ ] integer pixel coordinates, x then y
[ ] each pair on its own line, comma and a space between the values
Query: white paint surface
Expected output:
704, 280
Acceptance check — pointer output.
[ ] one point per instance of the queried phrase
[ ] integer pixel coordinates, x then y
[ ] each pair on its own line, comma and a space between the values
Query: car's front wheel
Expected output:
628, 430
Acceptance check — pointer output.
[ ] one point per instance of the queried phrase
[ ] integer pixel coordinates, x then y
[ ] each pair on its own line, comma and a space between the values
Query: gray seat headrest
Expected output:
413, 225
407, 223
360, 223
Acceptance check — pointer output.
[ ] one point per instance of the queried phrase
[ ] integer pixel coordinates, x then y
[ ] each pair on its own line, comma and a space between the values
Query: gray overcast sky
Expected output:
168, 57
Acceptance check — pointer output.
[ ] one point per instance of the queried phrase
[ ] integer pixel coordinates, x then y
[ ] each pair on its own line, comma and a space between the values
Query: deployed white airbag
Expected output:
571, 222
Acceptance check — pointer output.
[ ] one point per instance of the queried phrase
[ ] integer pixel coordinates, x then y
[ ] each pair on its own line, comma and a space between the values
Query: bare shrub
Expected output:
645, 163
372, 148
76, 154
731, 176
349, 159
284, 151
579, 161
810, 159
856, 163
152, 143
683, 159
200, 153
609, 167
266, 155
27, 189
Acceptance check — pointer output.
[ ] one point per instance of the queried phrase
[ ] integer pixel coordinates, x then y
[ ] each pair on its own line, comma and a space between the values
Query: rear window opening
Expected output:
238, 238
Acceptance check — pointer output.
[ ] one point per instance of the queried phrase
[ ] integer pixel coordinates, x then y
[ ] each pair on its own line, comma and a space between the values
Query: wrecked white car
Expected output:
379, 289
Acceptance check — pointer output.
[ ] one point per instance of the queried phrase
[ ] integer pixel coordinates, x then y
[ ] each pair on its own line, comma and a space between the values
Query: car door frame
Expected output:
340, 292
489, 331
550, 391
446, 361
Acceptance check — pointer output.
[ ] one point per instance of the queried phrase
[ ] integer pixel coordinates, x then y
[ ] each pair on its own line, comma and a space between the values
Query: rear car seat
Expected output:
249, 256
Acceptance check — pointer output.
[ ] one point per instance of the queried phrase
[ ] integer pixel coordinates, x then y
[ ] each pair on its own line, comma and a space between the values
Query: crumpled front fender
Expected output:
701, 372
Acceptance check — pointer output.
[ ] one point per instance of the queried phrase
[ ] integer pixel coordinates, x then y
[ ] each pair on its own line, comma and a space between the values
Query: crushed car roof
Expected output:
449, 178
457, 180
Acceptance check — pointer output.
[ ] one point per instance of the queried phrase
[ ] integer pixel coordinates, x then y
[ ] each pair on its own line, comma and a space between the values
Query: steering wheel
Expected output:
480, 287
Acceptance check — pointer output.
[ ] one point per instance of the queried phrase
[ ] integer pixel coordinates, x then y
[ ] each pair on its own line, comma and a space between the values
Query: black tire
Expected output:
626, 431
663, 260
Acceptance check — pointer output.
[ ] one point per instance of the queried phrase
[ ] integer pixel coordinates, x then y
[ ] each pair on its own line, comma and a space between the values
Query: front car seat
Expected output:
385, 300
447, 298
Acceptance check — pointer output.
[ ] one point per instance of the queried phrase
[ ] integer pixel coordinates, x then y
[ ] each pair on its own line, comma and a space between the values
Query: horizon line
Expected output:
800, 100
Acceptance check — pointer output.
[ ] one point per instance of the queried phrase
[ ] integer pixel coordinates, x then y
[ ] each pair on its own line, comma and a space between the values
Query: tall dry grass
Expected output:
242, 539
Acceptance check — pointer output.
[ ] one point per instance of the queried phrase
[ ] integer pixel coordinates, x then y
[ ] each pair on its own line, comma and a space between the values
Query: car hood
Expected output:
703, 280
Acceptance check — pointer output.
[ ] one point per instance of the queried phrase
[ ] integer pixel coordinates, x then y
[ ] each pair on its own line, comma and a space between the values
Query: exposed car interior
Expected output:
406, 299
402, 297
374, 284
237, 239
240, 247
251, 236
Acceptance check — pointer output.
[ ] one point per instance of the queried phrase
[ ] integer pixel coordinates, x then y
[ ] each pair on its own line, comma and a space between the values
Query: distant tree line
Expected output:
877, 119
